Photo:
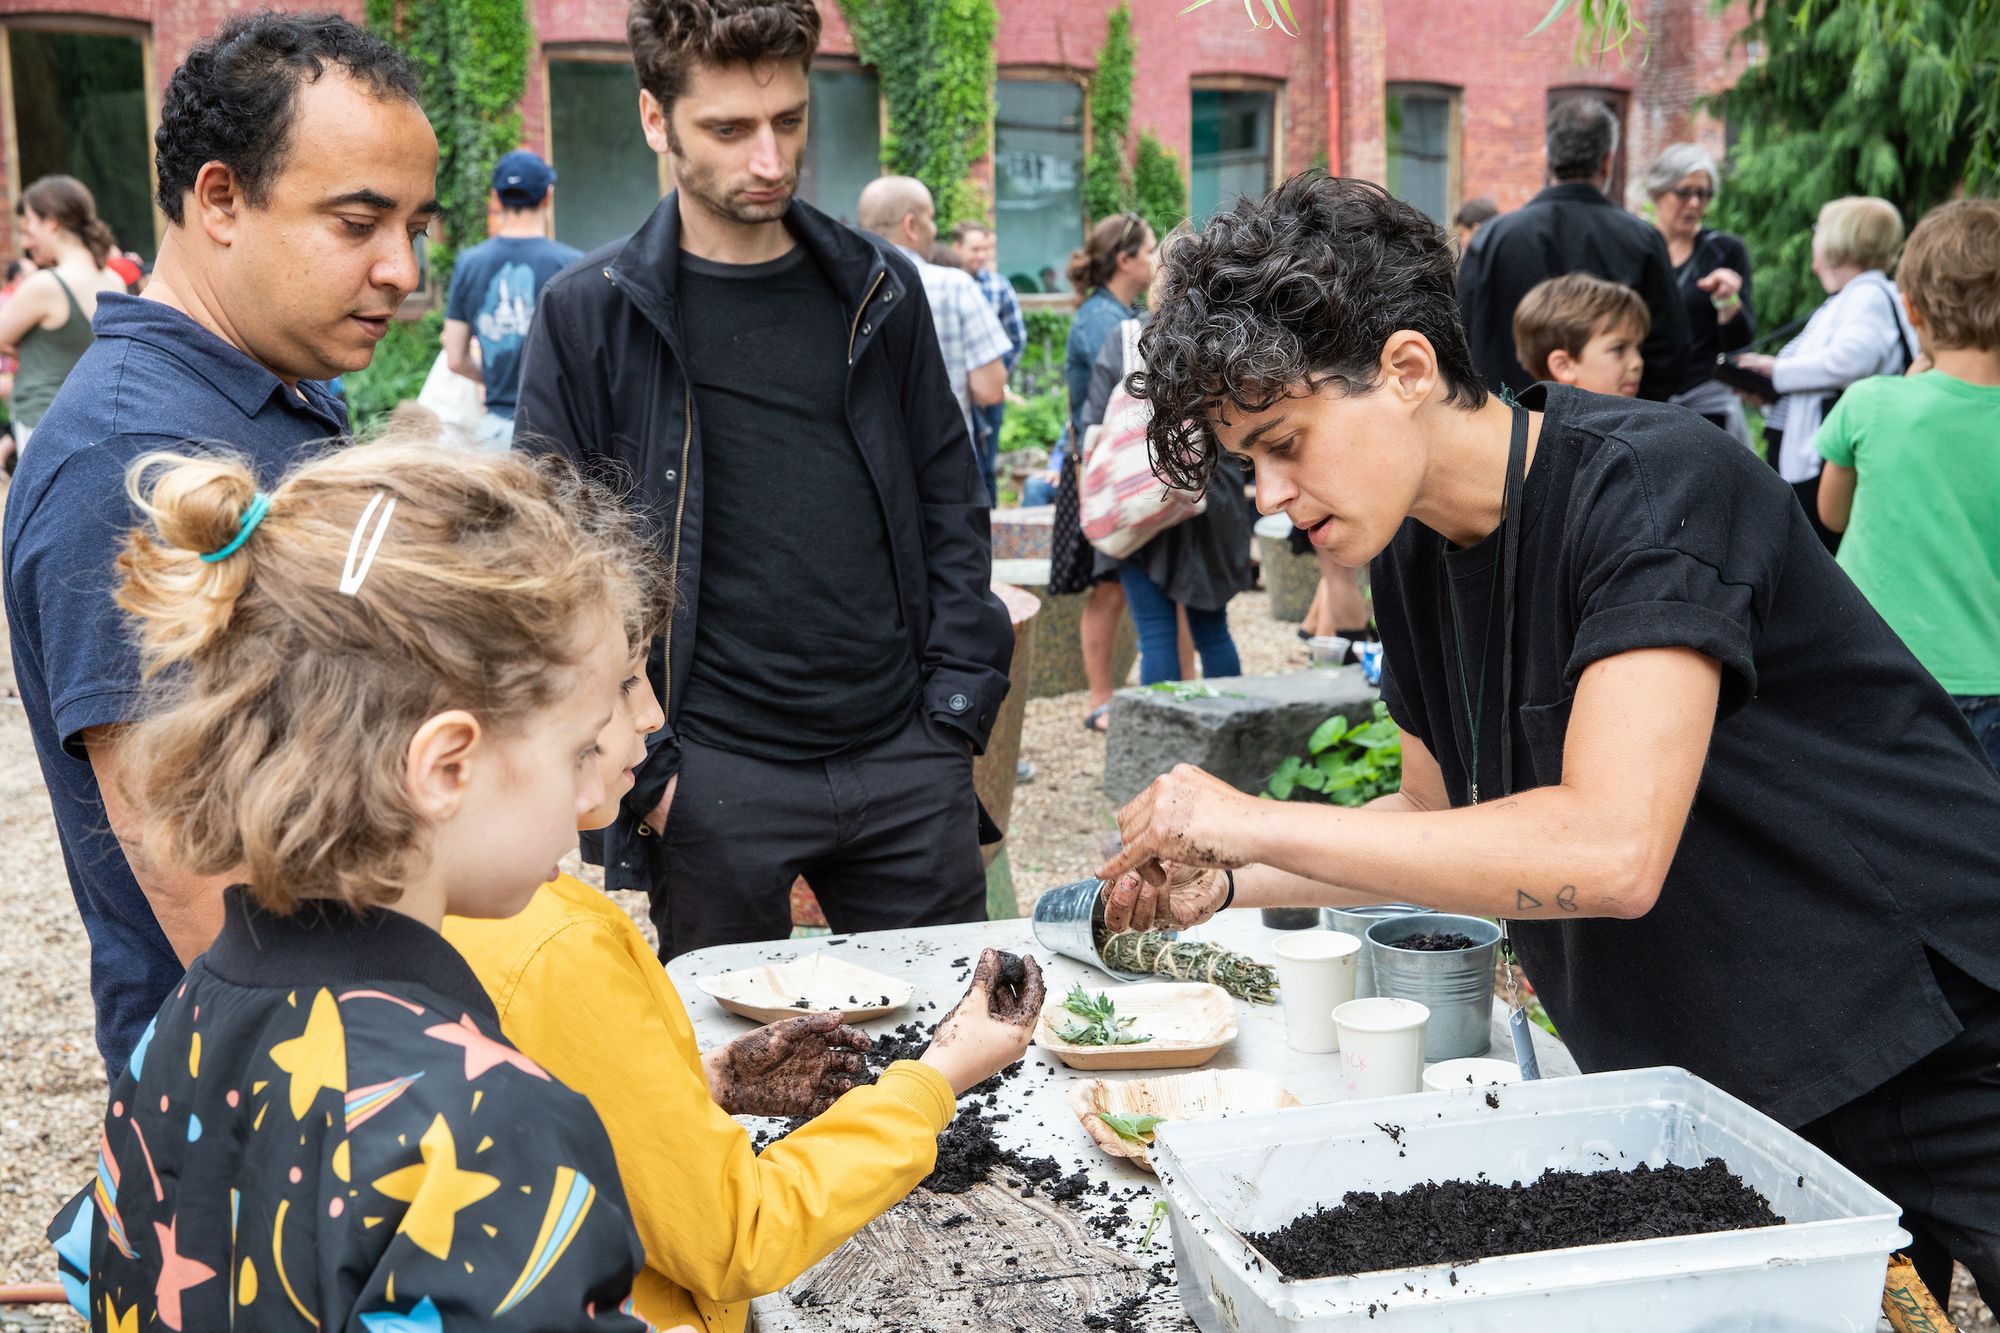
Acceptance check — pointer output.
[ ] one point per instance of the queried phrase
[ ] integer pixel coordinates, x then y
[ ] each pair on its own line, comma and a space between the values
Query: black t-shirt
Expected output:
800, 646
1845, 818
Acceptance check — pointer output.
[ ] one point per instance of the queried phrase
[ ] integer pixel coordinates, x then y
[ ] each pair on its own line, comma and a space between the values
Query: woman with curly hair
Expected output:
1624, 668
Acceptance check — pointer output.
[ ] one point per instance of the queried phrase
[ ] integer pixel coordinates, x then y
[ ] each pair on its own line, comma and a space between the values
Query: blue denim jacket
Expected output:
1096, 319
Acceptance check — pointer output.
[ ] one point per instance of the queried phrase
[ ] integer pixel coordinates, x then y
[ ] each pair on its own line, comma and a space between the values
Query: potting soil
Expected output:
1460, 1221
1435, 941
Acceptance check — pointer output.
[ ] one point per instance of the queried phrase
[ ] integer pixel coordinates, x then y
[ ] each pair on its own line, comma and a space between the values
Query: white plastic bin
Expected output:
1822, 1270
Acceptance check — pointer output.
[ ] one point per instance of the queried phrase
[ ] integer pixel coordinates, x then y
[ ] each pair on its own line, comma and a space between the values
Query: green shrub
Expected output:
402, 360
1036, 423
1343, 764
1107, 182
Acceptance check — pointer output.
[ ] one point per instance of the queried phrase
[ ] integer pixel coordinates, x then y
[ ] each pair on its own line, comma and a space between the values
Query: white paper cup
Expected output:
1471, 1072
1315, 977
1381, 1046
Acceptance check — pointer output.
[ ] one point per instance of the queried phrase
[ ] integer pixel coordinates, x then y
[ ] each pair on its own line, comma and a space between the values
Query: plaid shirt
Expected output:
999, 294
968, 333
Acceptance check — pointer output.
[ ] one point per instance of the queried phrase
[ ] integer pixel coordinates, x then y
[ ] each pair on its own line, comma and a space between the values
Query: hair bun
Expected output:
195, 504
193, 507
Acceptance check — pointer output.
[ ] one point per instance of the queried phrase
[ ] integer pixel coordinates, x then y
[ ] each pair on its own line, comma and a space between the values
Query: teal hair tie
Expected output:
260, 505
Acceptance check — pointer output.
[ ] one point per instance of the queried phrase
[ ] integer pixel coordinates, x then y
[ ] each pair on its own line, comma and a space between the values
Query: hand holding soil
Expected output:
991, 1026
1190, 896
800, 1066
1187, 818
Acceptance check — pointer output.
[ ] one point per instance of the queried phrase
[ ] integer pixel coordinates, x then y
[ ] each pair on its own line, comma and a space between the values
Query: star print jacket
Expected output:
324, 1129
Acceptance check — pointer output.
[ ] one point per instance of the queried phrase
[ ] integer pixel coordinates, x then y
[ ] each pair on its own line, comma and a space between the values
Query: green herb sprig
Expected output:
1103, 1026
1131, 1128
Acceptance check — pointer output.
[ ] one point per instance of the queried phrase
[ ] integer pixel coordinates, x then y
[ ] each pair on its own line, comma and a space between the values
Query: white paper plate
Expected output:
817, 984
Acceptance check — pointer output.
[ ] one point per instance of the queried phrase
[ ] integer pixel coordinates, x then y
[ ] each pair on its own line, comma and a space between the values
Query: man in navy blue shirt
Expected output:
494, 287
296, 169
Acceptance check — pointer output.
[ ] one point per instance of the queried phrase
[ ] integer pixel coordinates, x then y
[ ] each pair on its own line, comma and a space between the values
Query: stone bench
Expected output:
1239, 733
1290, 577
1058, 664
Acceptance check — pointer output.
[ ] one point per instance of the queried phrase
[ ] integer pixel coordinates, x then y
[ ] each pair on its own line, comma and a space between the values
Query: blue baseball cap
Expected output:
522, 178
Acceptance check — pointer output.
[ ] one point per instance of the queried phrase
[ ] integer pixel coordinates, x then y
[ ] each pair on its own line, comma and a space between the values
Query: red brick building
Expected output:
1439, 99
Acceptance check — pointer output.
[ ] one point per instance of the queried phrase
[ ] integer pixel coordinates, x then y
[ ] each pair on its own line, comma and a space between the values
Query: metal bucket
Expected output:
1456, 985
1355, 921
1067, 919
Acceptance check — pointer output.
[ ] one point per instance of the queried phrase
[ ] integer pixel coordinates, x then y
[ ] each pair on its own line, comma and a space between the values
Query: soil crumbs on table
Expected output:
1434, 941
1460, 1221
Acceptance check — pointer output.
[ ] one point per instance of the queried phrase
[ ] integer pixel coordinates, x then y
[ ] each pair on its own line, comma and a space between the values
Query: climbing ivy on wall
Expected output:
471, 58
935, 62
1107, 181
1160, 192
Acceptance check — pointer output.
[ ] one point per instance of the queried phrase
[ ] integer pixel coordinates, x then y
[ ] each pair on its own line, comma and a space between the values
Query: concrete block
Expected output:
1291, 578
1058, 664
1239, 733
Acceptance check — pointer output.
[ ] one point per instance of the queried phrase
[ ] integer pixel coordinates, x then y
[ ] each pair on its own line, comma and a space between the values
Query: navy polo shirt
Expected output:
153, 379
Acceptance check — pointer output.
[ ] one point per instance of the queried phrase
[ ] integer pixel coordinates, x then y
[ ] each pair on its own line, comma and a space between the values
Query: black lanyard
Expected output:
1504, 572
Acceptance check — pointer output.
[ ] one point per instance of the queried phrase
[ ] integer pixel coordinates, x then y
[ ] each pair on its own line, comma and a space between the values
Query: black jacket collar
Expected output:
1573, 192
649, 263
324, 943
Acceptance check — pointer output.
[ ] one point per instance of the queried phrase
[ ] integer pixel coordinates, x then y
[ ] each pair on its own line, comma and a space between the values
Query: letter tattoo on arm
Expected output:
1566, 898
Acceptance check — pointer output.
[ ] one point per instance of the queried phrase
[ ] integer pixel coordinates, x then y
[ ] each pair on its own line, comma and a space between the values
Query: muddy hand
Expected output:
990, 1027
1190, 896
1183, 818
797, 1067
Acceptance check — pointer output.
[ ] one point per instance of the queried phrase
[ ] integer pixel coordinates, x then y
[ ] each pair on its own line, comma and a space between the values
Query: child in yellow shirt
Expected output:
580, 991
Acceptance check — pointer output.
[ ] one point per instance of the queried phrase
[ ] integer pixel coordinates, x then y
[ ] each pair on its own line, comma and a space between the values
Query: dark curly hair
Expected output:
233, 99
669, 37
1291, 295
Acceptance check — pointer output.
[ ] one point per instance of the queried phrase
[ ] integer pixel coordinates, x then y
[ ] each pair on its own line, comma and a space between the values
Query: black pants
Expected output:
1807, 491
887, 835
1930, 1139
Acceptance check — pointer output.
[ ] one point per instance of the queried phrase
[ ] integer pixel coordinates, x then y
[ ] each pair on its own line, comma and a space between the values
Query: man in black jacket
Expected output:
769, 384
1571, 227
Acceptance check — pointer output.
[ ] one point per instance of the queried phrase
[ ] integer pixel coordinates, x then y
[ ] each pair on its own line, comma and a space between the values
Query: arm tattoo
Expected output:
1525, 901
1566, 899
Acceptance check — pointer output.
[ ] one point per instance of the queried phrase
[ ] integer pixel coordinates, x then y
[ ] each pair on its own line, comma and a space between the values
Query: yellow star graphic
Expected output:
317, 1058
435, 1191
114, 1324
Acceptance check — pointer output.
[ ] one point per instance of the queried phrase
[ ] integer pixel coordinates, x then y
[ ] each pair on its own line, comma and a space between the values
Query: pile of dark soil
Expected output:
1435, 941
1459, 1221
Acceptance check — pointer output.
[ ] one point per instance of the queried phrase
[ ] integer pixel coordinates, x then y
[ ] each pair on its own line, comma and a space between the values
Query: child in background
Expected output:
581, 992
1913, 466
379, 690
1581, 330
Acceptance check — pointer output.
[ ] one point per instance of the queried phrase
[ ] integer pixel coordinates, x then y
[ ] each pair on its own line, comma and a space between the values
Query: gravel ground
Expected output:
51, 1081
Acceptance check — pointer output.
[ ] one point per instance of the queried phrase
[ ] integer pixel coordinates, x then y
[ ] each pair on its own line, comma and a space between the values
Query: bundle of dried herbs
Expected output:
1153, 953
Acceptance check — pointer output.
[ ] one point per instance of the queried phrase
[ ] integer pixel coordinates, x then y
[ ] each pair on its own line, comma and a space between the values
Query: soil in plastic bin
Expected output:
1435, 941
1459, 1221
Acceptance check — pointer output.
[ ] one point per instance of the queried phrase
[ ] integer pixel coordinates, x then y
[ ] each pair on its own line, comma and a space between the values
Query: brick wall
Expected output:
1506, 76
1362, 44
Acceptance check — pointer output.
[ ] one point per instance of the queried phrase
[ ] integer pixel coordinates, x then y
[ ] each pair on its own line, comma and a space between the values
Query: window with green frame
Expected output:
608, 180
843, 140
1422, 128
1233, 131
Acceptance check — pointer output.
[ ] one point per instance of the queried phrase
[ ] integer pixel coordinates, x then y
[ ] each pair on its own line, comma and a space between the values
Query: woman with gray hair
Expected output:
1860, 330
1713, 271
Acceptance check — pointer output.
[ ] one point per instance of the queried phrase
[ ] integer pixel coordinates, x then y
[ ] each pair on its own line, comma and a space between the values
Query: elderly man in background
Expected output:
975, 347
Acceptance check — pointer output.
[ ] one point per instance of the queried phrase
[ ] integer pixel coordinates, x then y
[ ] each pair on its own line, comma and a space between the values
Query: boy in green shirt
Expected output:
1913, 466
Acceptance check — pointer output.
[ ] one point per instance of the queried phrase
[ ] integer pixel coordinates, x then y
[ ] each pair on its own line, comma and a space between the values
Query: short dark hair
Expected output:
1581, 133
961, 230
669, 37
233, 99
1567, 312
1292, 294
1475, 212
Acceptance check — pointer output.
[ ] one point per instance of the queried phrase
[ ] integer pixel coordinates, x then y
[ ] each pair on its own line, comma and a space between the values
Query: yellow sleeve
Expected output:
715, 1218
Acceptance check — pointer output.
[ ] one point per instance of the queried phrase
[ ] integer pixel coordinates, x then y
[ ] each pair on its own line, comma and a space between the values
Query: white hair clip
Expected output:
353, 574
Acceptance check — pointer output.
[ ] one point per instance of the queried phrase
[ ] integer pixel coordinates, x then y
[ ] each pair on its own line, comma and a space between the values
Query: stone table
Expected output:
936, 1260
1238, 728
